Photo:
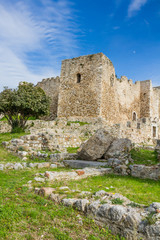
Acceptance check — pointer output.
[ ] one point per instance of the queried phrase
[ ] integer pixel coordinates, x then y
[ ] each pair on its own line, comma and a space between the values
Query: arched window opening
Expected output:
134, 118
78, 78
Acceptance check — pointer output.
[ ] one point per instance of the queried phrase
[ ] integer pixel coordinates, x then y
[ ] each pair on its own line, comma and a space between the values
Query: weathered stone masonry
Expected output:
88, 87
51, 88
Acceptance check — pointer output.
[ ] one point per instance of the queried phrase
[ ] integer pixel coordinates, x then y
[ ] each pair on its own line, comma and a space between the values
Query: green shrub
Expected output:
72, 149
17, 130
117, 201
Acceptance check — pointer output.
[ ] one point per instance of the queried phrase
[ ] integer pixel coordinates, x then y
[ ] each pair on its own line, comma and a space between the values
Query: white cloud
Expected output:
34, 39
135, 6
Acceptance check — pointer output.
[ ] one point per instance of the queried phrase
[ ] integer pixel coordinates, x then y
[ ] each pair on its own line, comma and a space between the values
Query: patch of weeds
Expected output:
96, 197
60, 235
103, 202
21, 148
57, 151
86, 134
72, 149
29, 237
32, 118
56, 122
151, 219
80, 123
134, 205
92, 237
117, 201
144, 156
46, 152
10, 136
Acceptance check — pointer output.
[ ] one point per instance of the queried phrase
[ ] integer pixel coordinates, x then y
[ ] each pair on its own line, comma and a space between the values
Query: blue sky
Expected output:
35, 35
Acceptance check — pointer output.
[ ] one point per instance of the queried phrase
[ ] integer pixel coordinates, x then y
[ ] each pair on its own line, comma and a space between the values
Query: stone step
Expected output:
84, 164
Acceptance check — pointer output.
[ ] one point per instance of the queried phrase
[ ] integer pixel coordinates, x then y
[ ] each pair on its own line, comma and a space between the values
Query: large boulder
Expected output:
96, 146
118, 148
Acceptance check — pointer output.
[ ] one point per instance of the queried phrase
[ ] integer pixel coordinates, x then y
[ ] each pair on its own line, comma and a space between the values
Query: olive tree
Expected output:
19, 104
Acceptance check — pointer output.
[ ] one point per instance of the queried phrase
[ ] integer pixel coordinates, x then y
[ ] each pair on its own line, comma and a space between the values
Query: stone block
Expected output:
96, 146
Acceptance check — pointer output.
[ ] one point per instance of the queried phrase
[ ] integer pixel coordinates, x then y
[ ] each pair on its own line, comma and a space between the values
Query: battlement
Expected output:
45, 80
88, 87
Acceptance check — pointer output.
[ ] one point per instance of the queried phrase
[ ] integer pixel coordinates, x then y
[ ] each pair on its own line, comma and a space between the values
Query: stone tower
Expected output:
81, 83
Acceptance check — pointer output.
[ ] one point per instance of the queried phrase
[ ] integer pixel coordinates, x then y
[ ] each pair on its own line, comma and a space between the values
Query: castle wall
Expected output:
154, 104
109, 100
128, 95
120, 97
84, 98
88, 88
157, 90
51, 88
145, 98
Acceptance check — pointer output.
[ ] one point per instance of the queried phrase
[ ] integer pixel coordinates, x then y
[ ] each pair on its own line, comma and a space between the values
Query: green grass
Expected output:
3, 119
30, 118
137, 190
10, 136
24, 215
143, 156
80, 123
72, 149
117, 201
5, 156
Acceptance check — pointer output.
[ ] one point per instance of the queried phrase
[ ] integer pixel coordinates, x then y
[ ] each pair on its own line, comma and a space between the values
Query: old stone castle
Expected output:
89, 88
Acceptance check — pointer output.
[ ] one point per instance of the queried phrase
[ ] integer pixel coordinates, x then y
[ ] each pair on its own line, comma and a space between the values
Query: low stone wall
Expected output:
129, 219
146, 172
139, 131
135, 170
49, 142
32, 125
24, 165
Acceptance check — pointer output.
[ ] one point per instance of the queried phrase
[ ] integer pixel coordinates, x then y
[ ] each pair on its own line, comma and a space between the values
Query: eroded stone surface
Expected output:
96, 146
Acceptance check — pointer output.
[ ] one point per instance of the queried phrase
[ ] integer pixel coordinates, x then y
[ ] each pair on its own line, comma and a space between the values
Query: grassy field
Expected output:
143, 156
24, 215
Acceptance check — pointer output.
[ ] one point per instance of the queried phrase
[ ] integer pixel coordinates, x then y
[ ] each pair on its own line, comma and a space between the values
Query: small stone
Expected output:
64, 188
81, 204
43, 165
1, 167
155, 205
53, 166
151, 209
68, 201
36, 190
18, 166
80, 172
100, 193
39, 179
56, 197
46, 191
